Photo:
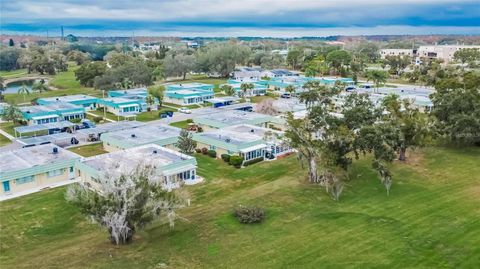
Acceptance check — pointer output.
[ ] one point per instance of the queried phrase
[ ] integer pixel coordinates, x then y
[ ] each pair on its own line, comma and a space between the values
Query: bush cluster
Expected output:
248, 215
225, 158
236, 161
204, 151
212, 153
198, 150
97, 119
252, 161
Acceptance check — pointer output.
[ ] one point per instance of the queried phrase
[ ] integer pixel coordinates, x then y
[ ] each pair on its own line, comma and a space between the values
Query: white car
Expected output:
185, 110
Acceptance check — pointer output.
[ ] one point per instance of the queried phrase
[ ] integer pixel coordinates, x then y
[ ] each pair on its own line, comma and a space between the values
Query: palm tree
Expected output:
126, 83
150, 100
246, 87
290, 89
378, 77
23, 90
228, 90
40, 87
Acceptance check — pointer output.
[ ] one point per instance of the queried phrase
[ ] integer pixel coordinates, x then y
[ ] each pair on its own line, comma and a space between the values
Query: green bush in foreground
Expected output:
236, 161
225, 158
252, 161
212, 153
249, 215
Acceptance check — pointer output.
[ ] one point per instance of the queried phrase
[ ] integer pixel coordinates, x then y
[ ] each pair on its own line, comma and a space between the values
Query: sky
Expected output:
222, 18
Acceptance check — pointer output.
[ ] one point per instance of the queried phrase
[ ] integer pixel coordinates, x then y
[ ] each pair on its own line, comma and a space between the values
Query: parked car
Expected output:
350, 88
286, 95
185, 110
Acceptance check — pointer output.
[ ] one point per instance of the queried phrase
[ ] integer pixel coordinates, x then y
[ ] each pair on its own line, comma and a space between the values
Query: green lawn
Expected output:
153, 115
8, 127
201, 79
430, 220
4, 141
180, 124
65, 84
89, 150
13, 74
108, 115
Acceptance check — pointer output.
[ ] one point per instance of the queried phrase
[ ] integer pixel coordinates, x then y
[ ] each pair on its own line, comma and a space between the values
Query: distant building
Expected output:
228, 117
247, 73
442, 52
30, 169
258, 88
122, 106
188, 93
52, 112
86, 101
397, 52
279, 73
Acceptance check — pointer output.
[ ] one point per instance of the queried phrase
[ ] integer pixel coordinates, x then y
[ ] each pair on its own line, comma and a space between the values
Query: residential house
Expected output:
189, 93
31, 169
171, 168
153, 133
86, 101
52, 112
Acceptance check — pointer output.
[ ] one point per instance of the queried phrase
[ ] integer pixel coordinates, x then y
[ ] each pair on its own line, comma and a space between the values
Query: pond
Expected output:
13, 87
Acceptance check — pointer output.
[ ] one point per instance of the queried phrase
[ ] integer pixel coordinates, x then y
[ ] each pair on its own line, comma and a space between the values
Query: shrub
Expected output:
236, 161
252, 161
199, 130
97, 119
198, 150
212, 153
204, 151
249, 215
75, 120
225, 157
189, 120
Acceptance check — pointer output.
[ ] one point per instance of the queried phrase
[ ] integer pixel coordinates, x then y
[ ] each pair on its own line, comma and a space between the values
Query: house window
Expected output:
24, 180
54, 173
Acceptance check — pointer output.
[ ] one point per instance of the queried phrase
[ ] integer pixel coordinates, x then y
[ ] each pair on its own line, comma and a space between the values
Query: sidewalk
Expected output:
7, 135
5, 197
91, 114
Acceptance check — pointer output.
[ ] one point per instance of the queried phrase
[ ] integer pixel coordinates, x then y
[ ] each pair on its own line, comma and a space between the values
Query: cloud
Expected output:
220, 16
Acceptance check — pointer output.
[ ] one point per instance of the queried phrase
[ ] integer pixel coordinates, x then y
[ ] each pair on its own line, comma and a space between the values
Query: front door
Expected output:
6, 186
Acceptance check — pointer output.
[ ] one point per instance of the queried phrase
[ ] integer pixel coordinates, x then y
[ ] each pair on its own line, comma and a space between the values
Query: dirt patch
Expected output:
415, 160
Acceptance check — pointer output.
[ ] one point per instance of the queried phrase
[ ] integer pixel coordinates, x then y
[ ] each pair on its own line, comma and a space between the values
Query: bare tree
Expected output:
126, 201
266, 107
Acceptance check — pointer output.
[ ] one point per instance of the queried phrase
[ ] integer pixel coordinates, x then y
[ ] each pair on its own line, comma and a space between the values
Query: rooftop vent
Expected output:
55, 150
228, 140
252, 131
57, 99
133, 136
155, 151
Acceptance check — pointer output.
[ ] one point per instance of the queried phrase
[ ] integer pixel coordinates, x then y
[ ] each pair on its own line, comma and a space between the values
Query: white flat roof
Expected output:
126, 161
32, 156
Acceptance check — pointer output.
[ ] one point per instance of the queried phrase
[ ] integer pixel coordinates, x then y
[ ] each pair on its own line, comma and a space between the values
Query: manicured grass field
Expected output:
14, 73
430, 220
201, 79
4, 141
180, 124
89, 150
153, 115
8, 127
